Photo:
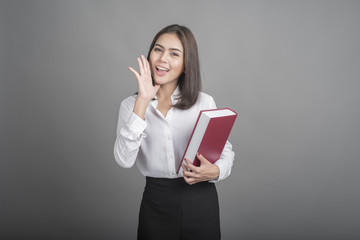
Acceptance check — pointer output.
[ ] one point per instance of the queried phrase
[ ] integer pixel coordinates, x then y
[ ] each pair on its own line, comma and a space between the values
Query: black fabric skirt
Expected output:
173, 210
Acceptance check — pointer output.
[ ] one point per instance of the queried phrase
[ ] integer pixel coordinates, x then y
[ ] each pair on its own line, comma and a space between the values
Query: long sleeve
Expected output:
225, 162
129, 135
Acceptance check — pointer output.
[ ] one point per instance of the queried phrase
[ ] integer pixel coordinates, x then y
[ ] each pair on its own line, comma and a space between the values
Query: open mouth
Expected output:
162, 69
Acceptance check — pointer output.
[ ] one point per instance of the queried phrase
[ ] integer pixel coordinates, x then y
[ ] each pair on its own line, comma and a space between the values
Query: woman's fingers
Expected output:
190, 166
134, 72
141, 66
144, 67
205, 172
146, 89
145, 64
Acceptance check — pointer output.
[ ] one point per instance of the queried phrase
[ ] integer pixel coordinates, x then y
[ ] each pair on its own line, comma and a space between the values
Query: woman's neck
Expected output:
165, 91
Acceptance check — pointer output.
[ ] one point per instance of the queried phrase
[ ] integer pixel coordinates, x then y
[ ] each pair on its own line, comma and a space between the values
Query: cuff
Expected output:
221, 173
136, 125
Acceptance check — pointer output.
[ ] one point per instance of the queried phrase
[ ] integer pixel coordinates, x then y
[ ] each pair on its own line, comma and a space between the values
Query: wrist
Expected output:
140, 107
216, 172
143, 100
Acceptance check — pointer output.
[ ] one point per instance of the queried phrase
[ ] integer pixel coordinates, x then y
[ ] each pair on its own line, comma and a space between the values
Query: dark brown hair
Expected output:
189, 81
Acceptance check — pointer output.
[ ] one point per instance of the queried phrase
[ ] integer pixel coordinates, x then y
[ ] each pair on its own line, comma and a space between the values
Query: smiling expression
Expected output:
167, 59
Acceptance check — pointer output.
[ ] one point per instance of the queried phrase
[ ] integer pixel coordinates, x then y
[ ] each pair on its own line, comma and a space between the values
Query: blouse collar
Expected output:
174, 96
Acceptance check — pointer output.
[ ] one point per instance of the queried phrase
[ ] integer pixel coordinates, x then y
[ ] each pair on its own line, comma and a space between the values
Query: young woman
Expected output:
154, 127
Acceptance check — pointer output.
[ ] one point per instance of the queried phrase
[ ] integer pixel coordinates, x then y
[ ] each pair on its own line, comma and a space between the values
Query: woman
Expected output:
154, 127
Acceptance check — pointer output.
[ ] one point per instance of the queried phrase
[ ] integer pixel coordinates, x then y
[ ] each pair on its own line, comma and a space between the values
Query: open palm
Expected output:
145, 84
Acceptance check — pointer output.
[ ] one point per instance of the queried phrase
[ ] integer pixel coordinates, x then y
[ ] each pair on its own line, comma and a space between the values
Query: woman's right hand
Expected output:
147, 90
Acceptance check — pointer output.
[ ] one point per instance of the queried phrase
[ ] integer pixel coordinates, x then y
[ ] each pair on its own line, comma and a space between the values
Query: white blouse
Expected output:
158, 143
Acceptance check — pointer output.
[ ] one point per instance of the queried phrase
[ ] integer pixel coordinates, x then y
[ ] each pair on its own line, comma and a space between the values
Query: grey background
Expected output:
289, 68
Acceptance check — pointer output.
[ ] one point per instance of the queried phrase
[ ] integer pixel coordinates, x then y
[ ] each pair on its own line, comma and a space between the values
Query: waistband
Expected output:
166, 181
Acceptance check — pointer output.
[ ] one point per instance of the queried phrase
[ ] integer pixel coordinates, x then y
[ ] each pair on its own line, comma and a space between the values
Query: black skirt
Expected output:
173, 210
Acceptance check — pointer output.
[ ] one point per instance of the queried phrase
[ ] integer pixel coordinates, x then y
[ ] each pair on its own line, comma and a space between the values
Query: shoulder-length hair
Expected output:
190, 80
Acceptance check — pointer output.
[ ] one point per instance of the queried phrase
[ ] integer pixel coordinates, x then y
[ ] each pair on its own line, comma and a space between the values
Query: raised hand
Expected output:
147, 90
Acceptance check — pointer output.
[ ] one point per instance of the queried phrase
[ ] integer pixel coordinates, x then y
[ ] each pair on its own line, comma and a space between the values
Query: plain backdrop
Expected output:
289, 68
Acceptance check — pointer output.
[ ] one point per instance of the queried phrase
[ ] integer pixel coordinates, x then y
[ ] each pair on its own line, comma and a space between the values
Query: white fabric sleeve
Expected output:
225, 162
130, 132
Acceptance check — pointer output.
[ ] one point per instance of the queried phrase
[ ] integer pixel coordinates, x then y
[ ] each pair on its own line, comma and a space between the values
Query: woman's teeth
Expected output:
162, 69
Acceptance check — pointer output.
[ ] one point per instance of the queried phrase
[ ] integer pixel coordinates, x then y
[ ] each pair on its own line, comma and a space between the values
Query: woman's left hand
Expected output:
205, 172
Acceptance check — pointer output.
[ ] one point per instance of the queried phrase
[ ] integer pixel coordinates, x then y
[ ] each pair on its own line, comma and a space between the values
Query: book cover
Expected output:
209, 136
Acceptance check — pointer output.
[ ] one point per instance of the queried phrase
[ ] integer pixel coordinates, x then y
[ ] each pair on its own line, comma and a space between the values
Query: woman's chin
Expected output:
158, 82
164, 81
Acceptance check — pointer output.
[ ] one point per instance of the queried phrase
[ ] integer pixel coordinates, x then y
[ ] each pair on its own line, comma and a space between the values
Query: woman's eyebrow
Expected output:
174, 49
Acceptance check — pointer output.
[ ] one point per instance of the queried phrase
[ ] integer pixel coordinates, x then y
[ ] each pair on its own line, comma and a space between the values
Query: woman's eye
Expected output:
157, 49
174, 54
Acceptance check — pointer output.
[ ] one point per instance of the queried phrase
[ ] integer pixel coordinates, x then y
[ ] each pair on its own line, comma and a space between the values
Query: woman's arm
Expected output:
129, 134
131, 123
207, 171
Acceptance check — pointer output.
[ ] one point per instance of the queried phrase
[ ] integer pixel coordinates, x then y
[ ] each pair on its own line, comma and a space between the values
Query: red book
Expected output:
211, 131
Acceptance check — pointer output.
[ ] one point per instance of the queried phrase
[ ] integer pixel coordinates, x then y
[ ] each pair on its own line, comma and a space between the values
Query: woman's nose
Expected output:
163, 57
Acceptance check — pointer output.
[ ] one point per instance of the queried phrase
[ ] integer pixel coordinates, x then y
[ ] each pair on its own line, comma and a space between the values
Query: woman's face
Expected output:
167, 59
